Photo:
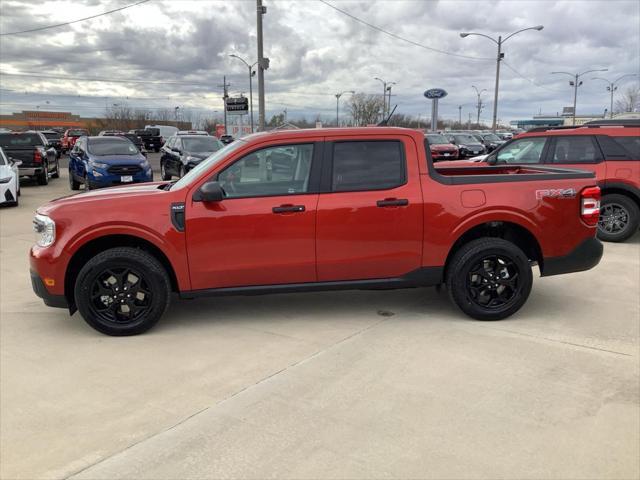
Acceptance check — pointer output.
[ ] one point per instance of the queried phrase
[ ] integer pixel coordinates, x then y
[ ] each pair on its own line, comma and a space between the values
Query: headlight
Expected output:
5, 180
193, 159
462, 146
99, 165
45, 229
145, 164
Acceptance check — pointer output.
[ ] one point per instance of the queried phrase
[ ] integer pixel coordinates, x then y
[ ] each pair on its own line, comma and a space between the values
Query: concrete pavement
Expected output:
391, 384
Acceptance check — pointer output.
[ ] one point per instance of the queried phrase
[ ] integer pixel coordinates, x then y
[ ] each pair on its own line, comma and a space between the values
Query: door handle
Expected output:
393, 202
288, 208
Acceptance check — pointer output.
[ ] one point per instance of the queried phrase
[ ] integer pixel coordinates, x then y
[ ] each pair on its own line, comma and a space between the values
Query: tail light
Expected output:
590, 205
37, 156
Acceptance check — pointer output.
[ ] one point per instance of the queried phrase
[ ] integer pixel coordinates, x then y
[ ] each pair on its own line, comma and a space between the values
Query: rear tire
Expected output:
489, 278
56, 173
43, 178
122, 291
163, 172
619, 218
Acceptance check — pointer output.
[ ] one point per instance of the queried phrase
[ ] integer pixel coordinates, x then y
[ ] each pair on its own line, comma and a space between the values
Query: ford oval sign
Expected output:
435, 93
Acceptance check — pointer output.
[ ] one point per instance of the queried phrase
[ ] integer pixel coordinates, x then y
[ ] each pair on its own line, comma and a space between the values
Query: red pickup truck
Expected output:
321, 209
69, 138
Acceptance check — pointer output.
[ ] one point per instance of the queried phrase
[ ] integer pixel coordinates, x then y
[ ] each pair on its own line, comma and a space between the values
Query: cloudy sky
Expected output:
168, 53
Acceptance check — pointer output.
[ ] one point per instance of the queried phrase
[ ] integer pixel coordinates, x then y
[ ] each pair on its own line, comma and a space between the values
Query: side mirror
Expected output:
492, 160
209, 192
177, 150
16, 163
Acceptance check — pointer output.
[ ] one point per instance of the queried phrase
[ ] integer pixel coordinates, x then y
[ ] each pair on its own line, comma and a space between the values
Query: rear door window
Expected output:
631, 145
575, 149
373, 165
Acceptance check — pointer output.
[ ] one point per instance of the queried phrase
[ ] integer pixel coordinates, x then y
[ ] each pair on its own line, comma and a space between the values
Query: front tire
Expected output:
163, 172
56, 173
489, 278
122, 291
619, 218
73, 183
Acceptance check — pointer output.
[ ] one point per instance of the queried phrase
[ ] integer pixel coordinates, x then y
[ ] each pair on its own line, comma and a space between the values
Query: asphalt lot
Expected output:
392, 384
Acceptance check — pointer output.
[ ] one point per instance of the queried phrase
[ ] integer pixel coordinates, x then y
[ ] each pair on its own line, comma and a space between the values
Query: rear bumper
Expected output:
29, 172
585, 256
58, 301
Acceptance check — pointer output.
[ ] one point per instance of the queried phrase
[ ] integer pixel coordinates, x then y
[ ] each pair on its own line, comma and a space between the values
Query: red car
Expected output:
70, 136
441, 148
319, 209
608, 148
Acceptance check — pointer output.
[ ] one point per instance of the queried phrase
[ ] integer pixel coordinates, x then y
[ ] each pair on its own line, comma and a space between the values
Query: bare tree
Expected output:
365, 109
629, 101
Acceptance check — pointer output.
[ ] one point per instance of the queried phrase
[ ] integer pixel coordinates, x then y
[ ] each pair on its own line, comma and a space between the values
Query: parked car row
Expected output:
454, 145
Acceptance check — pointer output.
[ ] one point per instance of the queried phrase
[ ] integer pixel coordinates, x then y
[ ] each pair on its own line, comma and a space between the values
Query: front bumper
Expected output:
110, 180
585, 256
58, 301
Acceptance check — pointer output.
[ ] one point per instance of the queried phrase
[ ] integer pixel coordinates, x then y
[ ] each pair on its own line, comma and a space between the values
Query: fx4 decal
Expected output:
556, 193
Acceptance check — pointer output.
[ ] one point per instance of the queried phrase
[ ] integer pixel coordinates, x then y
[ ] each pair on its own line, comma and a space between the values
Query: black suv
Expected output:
181, 153
150, 137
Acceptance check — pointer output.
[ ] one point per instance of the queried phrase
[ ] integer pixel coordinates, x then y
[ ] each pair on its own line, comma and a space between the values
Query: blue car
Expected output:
106, 161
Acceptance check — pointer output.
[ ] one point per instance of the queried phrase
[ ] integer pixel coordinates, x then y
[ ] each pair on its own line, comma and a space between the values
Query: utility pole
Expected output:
612, 87
224, 100
262, 65
575, 83
499, 58
460, 115
479, 102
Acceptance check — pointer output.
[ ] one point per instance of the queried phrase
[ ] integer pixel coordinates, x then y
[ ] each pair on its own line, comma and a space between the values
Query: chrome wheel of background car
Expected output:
614, 218
120, 295
493, 282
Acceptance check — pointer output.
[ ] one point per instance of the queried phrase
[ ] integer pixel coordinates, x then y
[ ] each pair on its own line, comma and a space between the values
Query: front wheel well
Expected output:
512, 232
93, 247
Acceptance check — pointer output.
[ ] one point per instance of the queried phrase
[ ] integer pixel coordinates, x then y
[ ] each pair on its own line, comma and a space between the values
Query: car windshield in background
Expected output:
19, 140
210, 161
154, 132
204, 144
77, 133
111, 146
437, 140
465, 139
51, 135
492, 138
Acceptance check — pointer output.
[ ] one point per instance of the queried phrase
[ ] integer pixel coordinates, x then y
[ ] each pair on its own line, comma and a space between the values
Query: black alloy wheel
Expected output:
122, 291
489, 278
619, 218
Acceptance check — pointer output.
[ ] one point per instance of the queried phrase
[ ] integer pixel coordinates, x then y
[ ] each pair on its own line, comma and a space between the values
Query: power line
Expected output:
106, 80
528, 79
398, 37
38, 29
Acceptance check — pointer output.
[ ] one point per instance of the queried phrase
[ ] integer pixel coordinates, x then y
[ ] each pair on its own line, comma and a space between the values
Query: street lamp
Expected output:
575, 83
251, 74
500, 56
384, 94
612, 87
479, 102
338, 95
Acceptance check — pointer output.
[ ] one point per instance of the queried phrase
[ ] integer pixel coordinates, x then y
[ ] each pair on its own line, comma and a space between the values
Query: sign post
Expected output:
434, 94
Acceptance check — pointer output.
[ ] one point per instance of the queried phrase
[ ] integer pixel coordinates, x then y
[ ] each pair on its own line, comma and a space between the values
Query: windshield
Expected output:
51, 135
437, 140
465, 139
77, 133
111, 146
20, 140
208, 162
492, 138
204, 144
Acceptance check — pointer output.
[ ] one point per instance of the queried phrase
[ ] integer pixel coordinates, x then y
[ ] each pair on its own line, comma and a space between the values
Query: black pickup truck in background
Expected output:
39, 158
55, 140
150, 137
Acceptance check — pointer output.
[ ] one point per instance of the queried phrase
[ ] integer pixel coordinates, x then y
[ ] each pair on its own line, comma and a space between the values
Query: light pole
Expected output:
612, 87
460, 115
251, 74
575, 83
338, 95
499, 58
384, 94
479, 102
